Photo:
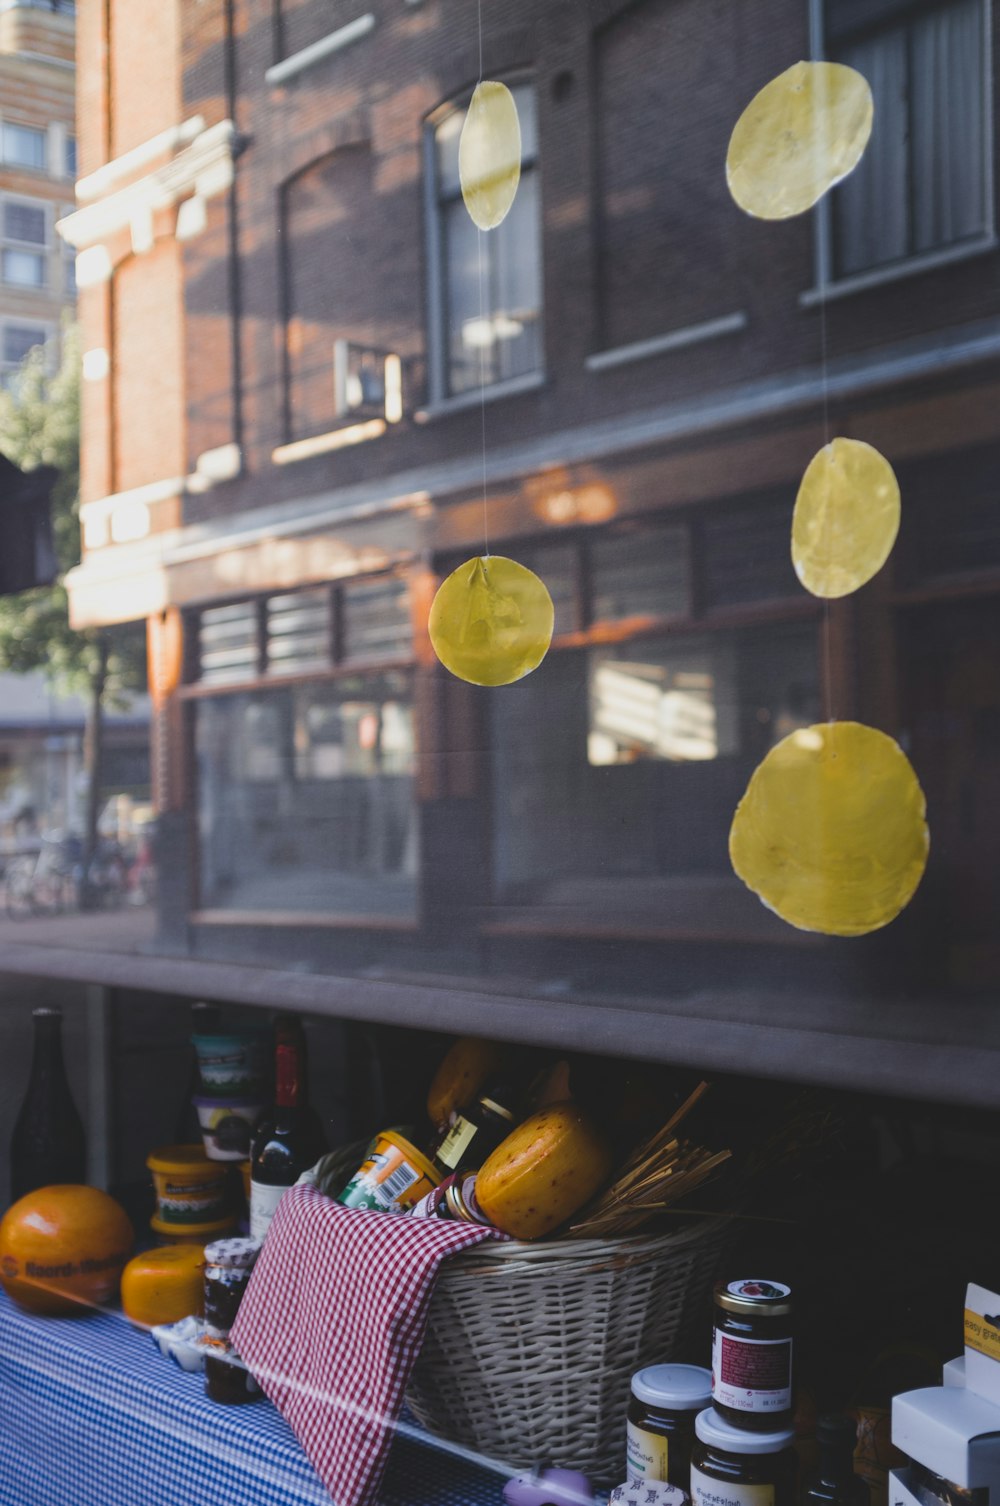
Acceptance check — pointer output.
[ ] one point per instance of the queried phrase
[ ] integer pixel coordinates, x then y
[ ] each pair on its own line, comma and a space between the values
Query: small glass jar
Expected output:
227, 1379
752, 1354
733, 1467
228, 1266
662, 1408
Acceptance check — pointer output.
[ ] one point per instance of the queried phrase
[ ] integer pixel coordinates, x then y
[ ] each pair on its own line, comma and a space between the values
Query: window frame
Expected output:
8, 321
826, 284
439, 397
22, 167
40, 249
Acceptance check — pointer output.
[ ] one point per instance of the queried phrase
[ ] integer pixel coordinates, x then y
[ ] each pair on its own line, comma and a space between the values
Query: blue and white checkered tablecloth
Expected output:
91, 1414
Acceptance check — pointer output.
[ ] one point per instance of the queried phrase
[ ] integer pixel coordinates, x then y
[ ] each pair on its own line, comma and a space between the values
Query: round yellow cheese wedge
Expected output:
165, 1285
831, 833
491, 621
804, 132
846, 518
489, 154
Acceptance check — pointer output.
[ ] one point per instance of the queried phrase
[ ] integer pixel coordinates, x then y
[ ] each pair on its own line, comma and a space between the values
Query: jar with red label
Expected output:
752, 1354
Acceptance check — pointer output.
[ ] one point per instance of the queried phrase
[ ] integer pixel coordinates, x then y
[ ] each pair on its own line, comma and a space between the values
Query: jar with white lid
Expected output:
664, 1403
731, 1466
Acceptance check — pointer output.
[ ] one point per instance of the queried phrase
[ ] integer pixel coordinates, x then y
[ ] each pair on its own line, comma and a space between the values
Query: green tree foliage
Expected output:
40, 425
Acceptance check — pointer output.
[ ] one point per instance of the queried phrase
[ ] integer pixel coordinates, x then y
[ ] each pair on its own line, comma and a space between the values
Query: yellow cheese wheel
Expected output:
543, 1172
164, 1285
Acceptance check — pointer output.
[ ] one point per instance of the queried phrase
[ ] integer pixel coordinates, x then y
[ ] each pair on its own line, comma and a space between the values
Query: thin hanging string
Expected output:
482, 332
828, 696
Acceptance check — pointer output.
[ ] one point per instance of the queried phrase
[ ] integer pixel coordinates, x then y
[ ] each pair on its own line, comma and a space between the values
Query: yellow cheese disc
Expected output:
804, 132
165, 1285
491, 621
831, 833
846, 518
489, 154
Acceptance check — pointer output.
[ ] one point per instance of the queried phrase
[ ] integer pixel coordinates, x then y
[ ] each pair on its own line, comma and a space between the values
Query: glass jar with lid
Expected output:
664, 1403
229, 1264
733, 1467
752, 1354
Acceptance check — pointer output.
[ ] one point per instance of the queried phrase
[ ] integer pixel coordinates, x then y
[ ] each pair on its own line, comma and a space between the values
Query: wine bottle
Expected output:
48, 1144
835, 1483
286, 1142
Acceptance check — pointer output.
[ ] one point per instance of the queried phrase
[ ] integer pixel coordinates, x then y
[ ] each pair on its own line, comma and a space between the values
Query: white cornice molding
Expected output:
203, 168
103, 179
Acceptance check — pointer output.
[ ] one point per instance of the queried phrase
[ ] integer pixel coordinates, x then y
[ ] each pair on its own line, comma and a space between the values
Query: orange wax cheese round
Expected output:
164, 1285
62, 1248
543, 1172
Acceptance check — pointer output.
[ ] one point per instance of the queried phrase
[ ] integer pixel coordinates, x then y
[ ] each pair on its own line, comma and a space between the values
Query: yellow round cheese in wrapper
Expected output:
489, 154
846, 518
491, 621
804, 132
831, 833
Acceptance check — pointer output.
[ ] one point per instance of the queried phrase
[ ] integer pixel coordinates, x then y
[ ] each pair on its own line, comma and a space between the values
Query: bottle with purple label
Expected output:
752, 1354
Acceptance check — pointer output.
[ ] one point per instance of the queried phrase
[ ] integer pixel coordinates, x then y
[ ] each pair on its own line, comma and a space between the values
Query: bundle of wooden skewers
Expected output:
663, 1169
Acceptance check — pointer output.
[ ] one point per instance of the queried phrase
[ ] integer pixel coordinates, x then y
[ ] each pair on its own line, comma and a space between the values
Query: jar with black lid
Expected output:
227, 1379
752, 1354
664, 1403
733, 1467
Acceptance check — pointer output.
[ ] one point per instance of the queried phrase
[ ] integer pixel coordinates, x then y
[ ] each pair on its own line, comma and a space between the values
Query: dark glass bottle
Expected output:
48, 1144
286, 1142
477, 1130
835, 1483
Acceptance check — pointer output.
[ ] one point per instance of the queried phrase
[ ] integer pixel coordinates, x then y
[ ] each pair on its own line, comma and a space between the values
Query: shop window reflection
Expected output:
306, 799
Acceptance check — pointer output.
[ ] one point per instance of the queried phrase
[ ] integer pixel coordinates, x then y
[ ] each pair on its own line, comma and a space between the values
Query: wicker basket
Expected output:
530, 1348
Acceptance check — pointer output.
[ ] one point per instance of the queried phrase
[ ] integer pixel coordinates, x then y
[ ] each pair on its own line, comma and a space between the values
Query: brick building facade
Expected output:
283, 455
37, 169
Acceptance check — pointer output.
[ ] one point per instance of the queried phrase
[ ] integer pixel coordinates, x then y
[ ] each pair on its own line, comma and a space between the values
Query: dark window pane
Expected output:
643, 574
306, 799
227, 643
747, 553
556, 565
24, 222
298, 632
18, 339
628, 762
377, 621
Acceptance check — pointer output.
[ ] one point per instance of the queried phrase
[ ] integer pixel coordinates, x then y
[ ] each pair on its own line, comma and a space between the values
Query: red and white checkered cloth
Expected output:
332, 1323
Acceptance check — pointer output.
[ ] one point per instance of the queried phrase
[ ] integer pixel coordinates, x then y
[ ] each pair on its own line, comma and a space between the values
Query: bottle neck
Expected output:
47, 1068
289, 1068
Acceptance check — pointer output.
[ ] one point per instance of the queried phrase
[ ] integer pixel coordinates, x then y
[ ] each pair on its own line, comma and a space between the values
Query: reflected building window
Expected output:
922, 185
486, 327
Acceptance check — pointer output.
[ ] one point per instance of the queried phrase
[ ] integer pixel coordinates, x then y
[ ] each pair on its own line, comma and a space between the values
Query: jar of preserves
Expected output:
228, 1266
733, 1467
664, 1403
752, 1354
227, 1379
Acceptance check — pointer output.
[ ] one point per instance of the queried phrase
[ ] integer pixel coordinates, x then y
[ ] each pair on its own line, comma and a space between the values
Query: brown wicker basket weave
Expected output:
530, 1348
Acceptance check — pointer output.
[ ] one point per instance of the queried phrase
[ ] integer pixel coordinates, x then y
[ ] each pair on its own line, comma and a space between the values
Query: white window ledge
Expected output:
879, 277
661, 345
492, 393
279, 73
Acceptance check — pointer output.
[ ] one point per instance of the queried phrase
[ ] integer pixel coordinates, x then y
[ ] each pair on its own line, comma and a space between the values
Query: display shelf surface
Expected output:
92, 1413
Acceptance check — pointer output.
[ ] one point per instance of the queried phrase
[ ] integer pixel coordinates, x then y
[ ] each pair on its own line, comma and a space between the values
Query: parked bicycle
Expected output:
43, 882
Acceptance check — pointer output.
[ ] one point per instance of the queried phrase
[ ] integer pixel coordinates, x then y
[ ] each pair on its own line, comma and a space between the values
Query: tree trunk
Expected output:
93, 748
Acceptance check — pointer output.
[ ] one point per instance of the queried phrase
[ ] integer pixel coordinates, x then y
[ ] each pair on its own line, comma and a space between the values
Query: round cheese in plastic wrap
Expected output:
831, 833
62, 1248
804, 132
491, 621
846, 518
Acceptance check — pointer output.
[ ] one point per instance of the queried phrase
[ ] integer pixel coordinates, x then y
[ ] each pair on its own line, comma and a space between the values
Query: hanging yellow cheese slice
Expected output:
804, 132
489, 154
491, 621
831, 833
846, 518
